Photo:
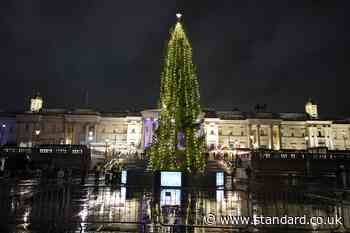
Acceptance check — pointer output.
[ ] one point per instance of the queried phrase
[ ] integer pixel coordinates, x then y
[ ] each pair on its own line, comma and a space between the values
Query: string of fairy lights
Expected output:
176, 145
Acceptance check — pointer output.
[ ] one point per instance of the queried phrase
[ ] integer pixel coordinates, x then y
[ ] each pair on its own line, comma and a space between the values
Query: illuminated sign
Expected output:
170, 179
124, 177
220, 179
170, 197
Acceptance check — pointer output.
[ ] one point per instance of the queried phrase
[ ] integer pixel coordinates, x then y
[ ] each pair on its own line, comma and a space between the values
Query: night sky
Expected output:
278, 53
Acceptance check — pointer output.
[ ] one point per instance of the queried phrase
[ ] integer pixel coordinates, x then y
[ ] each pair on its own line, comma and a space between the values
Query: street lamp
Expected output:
107, 141
90, 136
37, 132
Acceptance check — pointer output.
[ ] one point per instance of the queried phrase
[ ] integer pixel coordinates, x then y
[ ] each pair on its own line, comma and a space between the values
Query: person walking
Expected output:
2, 166
248, 171
97, 173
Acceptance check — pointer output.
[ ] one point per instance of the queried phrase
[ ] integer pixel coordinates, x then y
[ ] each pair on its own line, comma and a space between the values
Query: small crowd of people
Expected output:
128, 154
59, 173
26, 168
111, 171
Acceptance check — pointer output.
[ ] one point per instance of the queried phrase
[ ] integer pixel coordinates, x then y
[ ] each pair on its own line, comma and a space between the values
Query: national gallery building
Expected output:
133, 131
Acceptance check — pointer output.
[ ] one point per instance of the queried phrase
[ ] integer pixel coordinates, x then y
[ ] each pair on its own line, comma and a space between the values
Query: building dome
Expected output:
311, 109
36, 103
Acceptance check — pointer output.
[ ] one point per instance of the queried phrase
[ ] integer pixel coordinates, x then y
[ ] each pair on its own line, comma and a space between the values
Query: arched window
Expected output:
212, 132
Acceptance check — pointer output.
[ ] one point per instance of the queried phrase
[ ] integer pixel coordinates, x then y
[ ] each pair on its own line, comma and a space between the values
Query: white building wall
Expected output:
134, 132
211, 129
124, 131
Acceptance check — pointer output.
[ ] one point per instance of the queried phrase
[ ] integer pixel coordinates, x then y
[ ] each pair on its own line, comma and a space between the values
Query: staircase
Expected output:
136, 165
213, 166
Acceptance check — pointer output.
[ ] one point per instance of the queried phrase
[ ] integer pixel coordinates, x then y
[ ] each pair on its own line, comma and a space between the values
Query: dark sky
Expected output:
247, 52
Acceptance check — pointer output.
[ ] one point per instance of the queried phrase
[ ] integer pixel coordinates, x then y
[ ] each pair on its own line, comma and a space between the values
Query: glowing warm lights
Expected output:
37, 132
25, 218
179, 99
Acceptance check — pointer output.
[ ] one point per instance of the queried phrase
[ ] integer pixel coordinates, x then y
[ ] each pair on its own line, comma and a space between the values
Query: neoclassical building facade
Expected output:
223, 129
125, 131
275, 131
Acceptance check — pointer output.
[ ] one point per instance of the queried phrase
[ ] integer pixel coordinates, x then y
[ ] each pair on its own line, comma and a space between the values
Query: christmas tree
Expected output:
178, 142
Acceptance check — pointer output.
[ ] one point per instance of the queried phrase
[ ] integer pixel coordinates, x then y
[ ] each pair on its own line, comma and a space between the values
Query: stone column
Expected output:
142, 140
271, 137
258, 135
87, 133
316, 136
311, 139
74, 133
95, 133
279, 136
64, 131
249, 134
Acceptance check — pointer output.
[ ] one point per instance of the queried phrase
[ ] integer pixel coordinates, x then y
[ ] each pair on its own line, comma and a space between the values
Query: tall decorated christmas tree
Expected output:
178, 141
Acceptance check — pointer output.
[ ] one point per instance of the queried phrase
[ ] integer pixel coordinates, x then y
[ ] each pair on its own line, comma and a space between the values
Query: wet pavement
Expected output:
58, 206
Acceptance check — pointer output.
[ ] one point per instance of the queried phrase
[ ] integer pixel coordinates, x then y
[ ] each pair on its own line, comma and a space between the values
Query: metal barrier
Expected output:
67, 206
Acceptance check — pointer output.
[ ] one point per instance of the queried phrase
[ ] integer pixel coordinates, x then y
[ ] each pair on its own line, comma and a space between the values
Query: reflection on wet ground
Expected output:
32, 206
